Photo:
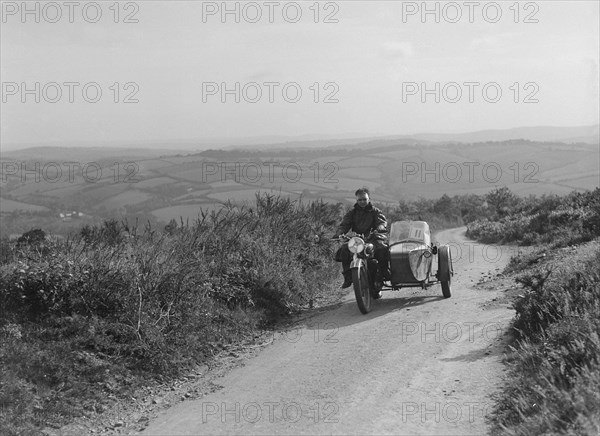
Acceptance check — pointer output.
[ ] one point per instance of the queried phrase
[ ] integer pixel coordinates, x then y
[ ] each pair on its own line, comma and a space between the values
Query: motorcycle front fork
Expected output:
371, 265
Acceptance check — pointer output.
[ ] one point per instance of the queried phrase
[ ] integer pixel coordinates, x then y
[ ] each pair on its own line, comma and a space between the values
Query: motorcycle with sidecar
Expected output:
412, 258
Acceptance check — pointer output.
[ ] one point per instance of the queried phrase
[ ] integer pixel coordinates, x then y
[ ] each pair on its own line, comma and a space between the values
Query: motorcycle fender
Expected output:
357, 262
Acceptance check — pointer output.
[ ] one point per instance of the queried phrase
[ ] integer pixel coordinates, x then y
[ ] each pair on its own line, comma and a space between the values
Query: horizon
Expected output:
267, 139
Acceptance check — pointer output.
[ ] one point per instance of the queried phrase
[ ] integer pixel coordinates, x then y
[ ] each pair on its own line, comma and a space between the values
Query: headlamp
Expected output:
356, 245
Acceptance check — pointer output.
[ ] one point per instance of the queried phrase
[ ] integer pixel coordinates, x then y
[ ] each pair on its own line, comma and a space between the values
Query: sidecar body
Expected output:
413, 257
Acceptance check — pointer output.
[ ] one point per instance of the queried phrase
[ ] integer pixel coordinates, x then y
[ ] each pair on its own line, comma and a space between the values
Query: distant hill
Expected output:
583, 134
85, 154
144, 183
154, 183
137, 149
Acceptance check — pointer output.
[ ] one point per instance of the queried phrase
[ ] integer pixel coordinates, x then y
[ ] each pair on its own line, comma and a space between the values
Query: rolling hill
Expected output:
162, 185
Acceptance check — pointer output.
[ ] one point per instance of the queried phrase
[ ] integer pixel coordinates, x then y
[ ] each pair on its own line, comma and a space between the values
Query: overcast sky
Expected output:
371, 62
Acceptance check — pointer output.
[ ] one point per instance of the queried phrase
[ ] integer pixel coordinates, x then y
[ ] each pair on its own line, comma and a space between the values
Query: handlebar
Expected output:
347, 237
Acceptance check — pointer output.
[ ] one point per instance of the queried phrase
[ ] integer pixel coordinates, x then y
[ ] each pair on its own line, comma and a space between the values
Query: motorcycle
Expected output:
364, 269
411, 260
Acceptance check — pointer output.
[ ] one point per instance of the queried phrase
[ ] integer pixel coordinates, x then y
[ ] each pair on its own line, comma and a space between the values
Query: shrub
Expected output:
151, 303
34, 237
559, 221
554, 382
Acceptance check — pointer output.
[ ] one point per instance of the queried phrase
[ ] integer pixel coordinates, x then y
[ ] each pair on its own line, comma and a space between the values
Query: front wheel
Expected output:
361, 289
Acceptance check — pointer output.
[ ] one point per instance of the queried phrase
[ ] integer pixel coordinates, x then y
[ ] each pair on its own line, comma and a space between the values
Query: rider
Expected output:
363, 218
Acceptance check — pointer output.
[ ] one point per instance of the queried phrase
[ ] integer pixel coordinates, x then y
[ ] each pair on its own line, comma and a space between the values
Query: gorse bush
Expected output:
154, 301
559, 221
554, 381
567, 287
239, 257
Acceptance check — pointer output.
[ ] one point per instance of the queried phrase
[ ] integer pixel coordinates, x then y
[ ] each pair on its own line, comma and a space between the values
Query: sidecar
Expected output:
413, 258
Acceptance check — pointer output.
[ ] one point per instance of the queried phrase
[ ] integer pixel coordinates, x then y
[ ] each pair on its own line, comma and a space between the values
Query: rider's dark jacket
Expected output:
362, 220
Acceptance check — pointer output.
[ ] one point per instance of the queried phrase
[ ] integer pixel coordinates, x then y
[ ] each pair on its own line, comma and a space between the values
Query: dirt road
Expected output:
417, 364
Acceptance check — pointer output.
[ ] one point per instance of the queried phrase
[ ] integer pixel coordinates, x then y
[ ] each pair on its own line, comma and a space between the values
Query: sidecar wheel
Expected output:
446, 292
445, 270
361, 289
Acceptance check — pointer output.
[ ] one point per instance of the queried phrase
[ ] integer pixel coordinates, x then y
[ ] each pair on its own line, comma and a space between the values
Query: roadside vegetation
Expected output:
553, 385
549, 219
87, 320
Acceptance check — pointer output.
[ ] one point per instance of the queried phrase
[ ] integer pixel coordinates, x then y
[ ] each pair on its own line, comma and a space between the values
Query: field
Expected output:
9, 206
167, 187
187, 212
